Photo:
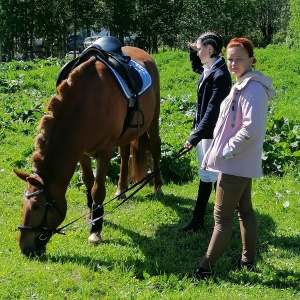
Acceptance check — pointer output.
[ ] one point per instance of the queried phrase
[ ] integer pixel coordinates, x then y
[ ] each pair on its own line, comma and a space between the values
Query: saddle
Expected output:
108, 50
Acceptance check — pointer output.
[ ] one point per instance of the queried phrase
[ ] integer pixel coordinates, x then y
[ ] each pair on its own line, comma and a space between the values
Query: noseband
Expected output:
50, 203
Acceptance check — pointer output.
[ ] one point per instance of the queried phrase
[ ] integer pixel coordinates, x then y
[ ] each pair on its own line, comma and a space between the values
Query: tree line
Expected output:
160, 23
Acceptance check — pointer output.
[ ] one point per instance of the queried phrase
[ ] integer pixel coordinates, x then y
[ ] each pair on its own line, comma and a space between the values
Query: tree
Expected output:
270, 16
258, 20
159, 22
118, 16
7, 28
294, 24
148, 21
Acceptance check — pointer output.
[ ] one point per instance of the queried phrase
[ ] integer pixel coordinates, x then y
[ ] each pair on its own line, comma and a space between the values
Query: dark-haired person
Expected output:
213, 87
236, 154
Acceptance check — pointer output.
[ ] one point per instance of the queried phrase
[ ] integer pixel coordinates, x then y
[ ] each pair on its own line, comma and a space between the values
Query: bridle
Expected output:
46, 233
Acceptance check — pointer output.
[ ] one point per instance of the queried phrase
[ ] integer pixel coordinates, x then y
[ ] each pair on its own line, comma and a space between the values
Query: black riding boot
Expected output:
197, 221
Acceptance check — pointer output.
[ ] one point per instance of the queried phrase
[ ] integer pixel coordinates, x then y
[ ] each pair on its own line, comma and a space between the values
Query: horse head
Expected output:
41, 215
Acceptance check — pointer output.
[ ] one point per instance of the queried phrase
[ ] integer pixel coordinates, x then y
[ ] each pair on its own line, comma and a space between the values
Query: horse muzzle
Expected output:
33, 252
33, 244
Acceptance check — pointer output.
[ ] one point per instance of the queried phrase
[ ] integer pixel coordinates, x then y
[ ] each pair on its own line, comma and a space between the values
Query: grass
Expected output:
143, 255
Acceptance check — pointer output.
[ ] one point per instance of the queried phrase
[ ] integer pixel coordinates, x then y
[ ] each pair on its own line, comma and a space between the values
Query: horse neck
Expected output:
57, 171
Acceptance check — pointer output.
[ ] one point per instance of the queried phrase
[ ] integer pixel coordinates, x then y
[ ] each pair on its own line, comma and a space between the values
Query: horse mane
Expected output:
53, 106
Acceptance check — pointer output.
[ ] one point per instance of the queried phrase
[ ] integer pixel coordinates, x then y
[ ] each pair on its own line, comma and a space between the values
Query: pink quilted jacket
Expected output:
240, 130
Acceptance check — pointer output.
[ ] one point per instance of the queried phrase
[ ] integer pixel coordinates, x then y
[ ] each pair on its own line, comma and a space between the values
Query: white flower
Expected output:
286, 204
278, 195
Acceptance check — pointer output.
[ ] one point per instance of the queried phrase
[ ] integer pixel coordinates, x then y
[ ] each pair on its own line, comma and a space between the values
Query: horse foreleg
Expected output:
98, 196
87, 177
124, 152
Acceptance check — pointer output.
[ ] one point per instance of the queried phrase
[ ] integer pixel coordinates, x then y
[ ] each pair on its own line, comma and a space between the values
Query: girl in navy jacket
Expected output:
213, 87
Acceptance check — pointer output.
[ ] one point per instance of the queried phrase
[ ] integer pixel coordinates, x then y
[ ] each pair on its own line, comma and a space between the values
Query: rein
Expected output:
142, 183
47, 233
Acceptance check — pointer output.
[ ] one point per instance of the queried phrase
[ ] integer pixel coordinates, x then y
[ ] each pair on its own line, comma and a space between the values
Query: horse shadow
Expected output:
162, 253
170, 251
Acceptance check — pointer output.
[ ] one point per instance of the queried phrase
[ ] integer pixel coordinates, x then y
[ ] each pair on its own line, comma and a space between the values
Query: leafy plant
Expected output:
27, 86
281, 146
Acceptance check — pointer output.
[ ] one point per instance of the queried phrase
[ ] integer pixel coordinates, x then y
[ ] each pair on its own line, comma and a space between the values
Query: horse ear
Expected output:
20, 174
35, 181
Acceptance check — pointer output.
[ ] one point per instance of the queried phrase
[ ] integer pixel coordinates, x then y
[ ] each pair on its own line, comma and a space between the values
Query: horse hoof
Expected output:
95, 238
119, 194
158, 191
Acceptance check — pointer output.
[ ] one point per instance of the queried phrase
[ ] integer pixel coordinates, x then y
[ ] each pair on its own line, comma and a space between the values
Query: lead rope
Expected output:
142, 183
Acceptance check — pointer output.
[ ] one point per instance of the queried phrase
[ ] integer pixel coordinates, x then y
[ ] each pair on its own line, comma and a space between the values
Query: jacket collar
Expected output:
259, 77
217, 65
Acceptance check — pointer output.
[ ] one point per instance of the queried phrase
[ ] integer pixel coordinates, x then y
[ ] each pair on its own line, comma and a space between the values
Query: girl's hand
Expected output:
193, 46
187, 145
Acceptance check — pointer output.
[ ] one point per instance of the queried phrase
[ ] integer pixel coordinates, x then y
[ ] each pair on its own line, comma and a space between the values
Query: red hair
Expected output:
242, 42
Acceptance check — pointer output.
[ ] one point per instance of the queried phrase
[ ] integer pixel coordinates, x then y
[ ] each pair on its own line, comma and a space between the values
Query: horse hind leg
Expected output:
154, 144
124, 152
140, 151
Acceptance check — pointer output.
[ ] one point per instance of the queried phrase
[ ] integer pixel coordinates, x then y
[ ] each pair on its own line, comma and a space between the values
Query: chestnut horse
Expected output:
86, 119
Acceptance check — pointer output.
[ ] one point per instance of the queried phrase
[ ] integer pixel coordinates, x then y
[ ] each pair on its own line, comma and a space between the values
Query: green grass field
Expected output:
143, 255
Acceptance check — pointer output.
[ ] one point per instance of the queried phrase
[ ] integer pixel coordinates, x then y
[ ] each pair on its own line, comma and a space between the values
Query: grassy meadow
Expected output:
143, 255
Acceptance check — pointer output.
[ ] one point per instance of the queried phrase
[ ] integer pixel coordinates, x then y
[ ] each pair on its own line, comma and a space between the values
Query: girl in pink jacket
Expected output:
236, 152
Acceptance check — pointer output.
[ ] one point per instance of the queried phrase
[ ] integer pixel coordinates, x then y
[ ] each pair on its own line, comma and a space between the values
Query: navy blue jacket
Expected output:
214, 89
195, 61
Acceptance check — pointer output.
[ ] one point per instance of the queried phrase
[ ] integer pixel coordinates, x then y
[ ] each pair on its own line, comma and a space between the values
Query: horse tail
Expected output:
139, 157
